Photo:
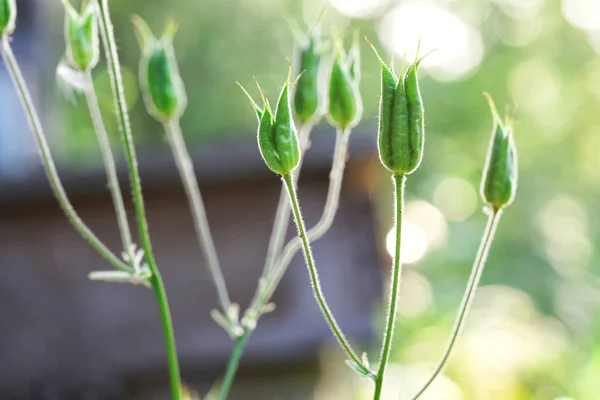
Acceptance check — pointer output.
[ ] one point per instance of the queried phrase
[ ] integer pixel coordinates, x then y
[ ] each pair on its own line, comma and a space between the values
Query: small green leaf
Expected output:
359, 369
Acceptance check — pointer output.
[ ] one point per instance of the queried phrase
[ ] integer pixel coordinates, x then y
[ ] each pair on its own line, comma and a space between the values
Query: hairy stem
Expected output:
46, 156
190, 183
271, 277
167, 323
336, 176
314, 275
388, 335
478, 265
112, 57
109, 161
282, 213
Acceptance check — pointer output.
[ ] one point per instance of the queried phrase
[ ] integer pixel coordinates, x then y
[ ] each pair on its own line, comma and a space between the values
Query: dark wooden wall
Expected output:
62, 333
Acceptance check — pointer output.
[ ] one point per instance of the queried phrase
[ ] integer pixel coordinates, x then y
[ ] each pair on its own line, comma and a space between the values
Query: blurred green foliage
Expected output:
534, 333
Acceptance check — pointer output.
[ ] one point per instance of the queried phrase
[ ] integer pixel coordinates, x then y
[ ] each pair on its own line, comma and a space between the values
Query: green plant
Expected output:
282, 146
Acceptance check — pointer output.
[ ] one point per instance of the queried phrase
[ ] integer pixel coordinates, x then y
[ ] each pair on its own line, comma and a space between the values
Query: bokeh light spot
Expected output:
535, 87
563, 221
506, 334
429, 219
458, 46
417, 294
520, 9
359, 8
583, 14
414, 243
456, 198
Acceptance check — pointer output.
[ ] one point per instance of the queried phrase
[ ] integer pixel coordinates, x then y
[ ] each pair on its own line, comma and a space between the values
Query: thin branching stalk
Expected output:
478, 266
112, 57
234, 362
282, 213
190, 183
321, 227
46, 156
314, 275
109, 161
271, 277
388, 335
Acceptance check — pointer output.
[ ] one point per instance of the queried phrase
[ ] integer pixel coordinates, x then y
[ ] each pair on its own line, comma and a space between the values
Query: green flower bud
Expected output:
164, 92
401, 120
8, 14
277, 137
81, 36
307, 96
345, 103
499, 183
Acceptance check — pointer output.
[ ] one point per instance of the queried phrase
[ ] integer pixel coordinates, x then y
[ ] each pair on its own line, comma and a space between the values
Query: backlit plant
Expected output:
327, 85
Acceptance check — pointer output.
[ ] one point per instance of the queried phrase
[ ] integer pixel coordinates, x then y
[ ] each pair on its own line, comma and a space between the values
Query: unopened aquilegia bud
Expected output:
81, 36
162, 86
307, 94
401, 133
345, 103
277, 137
499, 183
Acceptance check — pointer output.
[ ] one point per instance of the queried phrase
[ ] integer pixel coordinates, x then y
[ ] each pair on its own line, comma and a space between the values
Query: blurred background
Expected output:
534, 331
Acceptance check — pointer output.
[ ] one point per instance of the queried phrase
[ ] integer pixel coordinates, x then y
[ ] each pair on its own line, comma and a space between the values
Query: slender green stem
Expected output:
388, 335
271, 277
112, 57
165, 315
314, 275
46, 156
234, 362
478, 266
282, 213
336, 176
190, 183
109, 161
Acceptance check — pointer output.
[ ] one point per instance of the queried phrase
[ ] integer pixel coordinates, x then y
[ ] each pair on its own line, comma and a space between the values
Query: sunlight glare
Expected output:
359, 8
458, 46
429, 219
582, 14
414, 243
520, 9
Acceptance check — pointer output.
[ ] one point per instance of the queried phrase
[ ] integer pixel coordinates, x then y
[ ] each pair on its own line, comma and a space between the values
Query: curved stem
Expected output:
112, 57
109, 161
322, 226
165, 314
314, 275
190, 183
272, 276
46, 156
234, 362
282, 214
484, 247
399, 181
